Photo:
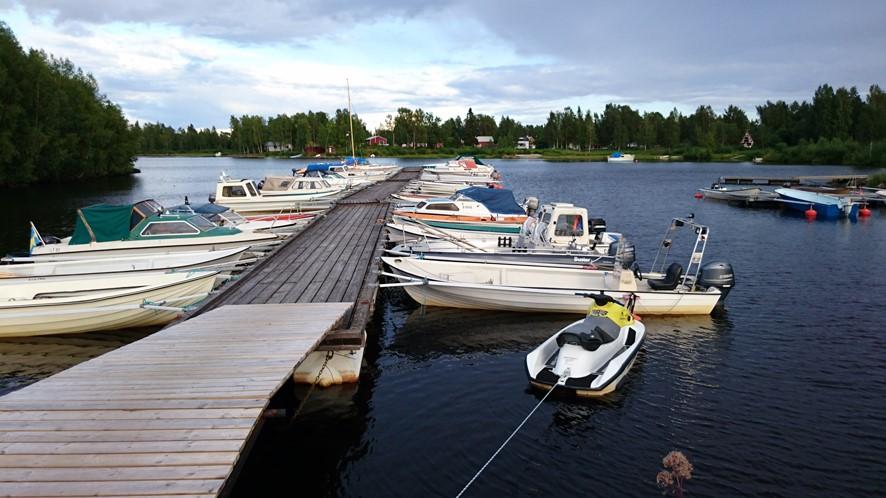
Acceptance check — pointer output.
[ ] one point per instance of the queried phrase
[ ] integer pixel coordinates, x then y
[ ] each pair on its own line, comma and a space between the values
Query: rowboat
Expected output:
113, 231
27, 268
102, 302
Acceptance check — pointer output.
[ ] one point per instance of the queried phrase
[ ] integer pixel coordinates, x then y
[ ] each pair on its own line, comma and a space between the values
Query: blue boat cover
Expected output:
496, 200
318, 167
616, 154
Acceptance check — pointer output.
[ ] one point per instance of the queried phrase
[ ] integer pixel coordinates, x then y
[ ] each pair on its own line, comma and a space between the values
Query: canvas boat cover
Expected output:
102, 223
499, 201
318, 167
277, 182
108, 222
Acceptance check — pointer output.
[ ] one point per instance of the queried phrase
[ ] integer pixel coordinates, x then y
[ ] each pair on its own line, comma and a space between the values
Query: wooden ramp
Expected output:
167, 415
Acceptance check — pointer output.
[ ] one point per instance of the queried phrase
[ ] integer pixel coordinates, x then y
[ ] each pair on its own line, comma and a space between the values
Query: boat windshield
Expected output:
202, 223
570, 225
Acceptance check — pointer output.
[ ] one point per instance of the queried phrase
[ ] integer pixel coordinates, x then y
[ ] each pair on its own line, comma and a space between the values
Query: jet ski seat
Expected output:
590, 341
670, 280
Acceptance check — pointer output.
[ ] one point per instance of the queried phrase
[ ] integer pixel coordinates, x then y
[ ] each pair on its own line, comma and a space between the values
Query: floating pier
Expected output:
791, 180
176, 412
170, 414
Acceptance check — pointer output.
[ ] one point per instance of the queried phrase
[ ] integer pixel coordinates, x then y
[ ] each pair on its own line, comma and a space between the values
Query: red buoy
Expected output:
698, 195
810, 213
864, 212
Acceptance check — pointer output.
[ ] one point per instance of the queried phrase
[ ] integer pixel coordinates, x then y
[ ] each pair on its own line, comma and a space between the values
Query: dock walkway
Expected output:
167, 415
330, 261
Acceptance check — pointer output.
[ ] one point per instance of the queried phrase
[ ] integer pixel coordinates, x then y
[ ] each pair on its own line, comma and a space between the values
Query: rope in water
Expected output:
508, 440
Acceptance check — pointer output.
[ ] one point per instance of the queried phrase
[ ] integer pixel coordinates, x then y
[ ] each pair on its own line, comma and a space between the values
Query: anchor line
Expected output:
514, 433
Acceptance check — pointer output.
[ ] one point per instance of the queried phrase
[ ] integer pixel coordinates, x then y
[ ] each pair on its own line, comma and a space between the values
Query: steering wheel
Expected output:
637, 273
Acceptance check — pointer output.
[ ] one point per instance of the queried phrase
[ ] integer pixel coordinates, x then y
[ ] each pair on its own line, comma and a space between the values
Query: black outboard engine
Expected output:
717, 274
629, 254
597, 227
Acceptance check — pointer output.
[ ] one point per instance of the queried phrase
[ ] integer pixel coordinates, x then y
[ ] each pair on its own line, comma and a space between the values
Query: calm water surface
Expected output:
782, 395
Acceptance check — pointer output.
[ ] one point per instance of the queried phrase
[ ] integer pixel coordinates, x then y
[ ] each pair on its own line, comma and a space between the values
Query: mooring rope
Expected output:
508, 440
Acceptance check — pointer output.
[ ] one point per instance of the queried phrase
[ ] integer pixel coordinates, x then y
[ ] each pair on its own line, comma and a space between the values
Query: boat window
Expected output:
252, 190
202, 223
447, 206
233, 191
570, 225
169, 228
546, 219
421, 205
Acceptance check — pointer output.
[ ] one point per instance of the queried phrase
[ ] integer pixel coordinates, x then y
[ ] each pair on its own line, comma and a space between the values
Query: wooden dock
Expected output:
170, 414
176, 412
791, 180
332, 260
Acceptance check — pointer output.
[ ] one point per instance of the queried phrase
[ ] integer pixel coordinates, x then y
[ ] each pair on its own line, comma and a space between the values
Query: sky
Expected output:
199, 62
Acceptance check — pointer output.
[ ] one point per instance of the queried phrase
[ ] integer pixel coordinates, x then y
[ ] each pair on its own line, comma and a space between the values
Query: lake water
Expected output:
782, 395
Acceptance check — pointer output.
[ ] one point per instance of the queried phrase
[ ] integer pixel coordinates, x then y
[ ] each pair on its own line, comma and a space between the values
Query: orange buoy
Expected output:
698, 195
810, 213
864, 212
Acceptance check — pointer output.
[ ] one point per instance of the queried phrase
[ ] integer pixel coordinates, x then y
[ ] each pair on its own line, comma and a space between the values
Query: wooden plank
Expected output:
124, 425
80, 474
145, 404
118, 460
107, 448
124, 436
346, 263
113, 488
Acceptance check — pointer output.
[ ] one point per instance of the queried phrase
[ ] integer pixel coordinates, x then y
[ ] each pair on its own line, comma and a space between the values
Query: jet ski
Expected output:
591, 356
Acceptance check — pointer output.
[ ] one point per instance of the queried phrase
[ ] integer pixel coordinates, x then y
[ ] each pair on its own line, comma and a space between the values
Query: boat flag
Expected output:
36, 239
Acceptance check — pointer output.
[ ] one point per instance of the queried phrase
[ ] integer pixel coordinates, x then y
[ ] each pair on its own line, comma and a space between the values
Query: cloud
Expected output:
201, 61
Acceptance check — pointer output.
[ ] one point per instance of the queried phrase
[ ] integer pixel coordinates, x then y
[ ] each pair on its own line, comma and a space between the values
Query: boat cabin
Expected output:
229, 188
564, 224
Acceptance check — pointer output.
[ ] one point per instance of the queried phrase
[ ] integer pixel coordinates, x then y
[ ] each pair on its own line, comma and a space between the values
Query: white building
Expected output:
525, 143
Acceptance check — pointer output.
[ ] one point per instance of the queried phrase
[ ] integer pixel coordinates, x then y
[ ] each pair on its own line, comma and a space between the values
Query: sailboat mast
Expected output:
351, 119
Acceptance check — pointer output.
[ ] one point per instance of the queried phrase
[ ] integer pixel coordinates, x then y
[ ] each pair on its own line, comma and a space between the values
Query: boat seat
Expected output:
670, 280
590, 341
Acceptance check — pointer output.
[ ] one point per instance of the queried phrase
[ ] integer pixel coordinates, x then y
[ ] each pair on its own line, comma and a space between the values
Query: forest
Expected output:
55, 124
838, 126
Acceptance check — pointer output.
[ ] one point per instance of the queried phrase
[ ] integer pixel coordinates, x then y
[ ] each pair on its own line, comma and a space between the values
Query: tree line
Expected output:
54, 123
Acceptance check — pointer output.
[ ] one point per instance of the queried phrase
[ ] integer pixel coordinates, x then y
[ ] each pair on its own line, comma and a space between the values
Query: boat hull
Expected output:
65, 252
112, 310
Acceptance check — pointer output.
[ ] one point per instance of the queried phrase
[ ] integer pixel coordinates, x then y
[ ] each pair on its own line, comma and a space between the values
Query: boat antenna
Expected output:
351, 119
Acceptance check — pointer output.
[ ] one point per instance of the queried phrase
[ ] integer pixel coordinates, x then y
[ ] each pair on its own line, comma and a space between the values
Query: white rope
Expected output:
508, 440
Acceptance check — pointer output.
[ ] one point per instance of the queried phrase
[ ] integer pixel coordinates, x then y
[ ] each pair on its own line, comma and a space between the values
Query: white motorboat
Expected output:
244, 197
113, 231
560, 234
515, 287
471, 209
29, 268
470, 166
592, 356
618, 157
99, 302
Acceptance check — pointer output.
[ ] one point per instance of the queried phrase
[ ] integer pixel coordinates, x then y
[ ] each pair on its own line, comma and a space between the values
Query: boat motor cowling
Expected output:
598, 226
717, 274
531, 205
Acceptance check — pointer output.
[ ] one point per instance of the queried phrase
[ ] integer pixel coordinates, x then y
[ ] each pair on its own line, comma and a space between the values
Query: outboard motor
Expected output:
597, 226
212, 198
717, 274
628, 255
531, 205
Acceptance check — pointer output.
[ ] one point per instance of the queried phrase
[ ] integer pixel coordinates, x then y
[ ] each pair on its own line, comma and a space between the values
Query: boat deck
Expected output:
170, 414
